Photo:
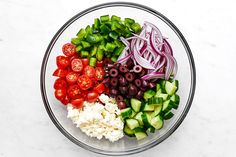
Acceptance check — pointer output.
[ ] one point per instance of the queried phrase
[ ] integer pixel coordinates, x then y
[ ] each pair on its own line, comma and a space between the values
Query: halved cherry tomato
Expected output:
89, 71
74, 56
92, 96
62, 61
60, 83
74, 92
66, 100
78, 103
99, 64
72, 77
100, 88
60, 72
84, 82
107, 91
69, 49
60, 94
85, 61
77, 65
99, 73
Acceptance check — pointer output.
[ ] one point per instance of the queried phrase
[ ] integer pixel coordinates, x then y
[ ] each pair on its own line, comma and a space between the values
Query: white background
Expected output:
26, 28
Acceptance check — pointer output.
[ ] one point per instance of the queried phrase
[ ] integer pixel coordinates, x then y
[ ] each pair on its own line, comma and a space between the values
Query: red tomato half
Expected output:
60, 94
85, 61
69, 49
60, 83
100, 88
84, 82
89, 71
62, 61
66, 100
99, 73
77, 65
74, 92
78, 103
92, 96
72, 77
60, 72
99, 64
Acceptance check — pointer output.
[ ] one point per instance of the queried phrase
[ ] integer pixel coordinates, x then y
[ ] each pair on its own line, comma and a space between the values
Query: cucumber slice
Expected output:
132, 123
157, 111
155, 101
168, 115
158, 92
170, 88
126, 113
157, 122
148, 107
175, 98
139, 118
158, 86
135, 104
151, 130
176, 83
146, 119
163, 96
167, 106
140, 133
128, 131
148, 94
133, 114
162, 83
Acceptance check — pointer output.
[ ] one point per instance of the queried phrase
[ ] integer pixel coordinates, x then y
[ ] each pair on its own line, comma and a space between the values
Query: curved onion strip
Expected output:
153, 75
141, 61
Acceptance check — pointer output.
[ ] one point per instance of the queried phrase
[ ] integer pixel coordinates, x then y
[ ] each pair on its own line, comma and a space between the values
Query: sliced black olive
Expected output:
144, 84
143, 72
138, 82
139, 95
123, 89
133, 90
129, 77
130, 63
117, 65
113, 72
106, 82
114, 81
137, 69
123, 69
114, 92
119, 98
122, 81
121, 105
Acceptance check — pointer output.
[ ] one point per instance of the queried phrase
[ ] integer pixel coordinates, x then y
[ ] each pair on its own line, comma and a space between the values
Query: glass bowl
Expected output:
186, 76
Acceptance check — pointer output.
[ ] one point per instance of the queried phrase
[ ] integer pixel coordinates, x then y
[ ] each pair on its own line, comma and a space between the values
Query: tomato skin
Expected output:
89, 71
60, 94
99, 64
77, 65
72, 77
107, 91
99, 73
60, 83
85, 61
100, 88
84, 82
74, 92
92, 96
60, 72
74, 56
69, 49
66, 100
77, 103
62, 62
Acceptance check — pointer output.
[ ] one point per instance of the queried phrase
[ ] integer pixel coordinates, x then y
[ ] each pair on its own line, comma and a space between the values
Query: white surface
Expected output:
26, 28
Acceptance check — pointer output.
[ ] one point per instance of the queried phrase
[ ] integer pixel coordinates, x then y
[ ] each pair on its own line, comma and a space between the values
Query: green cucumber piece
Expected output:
146, 118
151, 129
135, 104
133, 114
132, 123
175, 98
148, 94
170, 88
126, 113
140, 133
158, 86
158, 93
167, 106
155, 101
162, 83
157, 110
175, 83
163, 96
128, 131
157, 122
168, 115
147, 107
138, 116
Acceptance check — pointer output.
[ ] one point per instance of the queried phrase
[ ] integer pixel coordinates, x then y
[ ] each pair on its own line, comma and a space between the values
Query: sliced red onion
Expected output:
141, 61
153, 75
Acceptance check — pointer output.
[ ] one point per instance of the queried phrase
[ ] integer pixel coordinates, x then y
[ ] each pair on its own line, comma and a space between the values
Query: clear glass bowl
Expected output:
186, 76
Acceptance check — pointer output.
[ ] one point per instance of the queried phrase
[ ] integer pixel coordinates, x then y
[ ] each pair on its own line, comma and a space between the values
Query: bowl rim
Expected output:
97, 7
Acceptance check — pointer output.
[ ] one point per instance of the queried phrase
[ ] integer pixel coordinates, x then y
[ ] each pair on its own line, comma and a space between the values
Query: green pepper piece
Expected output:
118, 50
93, 51
115, 18
78, 48
96, 23
85, 44
104, 18
118, 43
114, 58
92, 61
93, 38
84, 54
104, 29
94, 31
128, 22
75, 41
110, 47
113, 35
108, 54
99, 54
88, 30
136, 27
81, 33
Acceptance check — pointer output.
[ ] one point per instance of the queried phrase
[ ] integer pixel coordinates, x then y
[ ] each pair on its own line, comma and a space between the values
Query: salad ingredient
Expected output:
89, 71
60, 72
78, 103
74, 91
60, 83
62, 62
84, 82
100, 88
99, 73
72, 77
60, 94
69, 49
77, 65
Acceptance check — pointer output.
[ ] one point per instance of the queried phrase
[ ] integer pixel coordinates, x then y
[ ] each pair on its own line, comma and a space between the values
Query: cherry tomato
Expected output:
60, 83
66, 100
84, 82
62, 61
92, 96
77, 65
69, 49
99, 64
60, 94
78, 103
74, 56
99, 73
85, 61
100, 88
107, 91
89, 71
60, 72
74, 92
72, 77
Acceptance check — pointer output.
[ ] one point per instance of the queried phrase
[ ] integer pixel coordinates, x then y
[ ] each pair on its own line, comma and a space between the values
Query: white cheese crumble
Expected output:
97, 120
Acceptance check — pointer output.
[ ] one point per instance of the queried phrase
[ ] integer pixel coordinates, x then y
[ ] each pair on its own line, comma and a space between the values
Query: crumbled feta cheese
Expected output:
97, 120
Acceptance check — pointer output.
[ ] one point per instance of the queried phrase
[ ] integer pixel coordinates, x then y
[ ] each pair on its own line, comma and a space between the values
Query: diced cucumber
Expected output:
128, 131
140, 133
148, 107
146, 119
158, 86
132, 123
126, 113
135, 104
133, 114
138, 116
175, 98
157, 110
176, 83
158, 93
170, 88
167, 106
163, 96
168, 115
162, 83
148, 94
155, 101
157, 122
151, 129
